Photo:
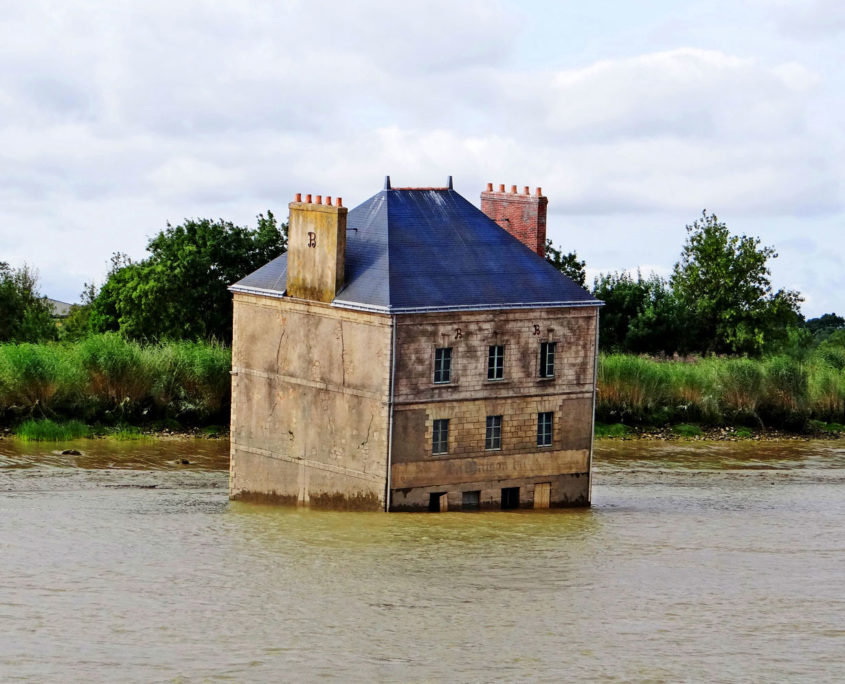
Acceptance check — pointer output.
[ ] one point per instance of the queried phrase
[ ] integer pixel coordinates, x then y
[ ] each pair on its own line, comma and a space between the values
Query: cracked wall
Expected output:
310, 390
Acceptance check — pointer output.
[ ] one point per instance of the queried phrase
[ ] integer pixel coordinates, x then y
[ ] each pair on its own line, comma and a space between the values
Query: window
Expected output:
493, 435
443, 364
547, 359
496, 362
440, 436
544, 428
510, 498
471, 500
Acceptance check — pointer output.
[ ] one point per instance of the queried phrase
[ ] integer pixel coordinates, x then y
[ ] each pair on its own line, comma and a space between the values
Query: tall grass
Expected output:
777, 392
110, 379
47, 430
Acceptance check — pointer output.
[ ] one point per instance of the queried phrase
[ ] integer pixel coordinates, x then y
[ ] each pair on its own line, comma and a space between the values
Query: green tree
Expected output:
568, 264
825, 325
25, 316
77, 325
640, 315
722, 281
180, 290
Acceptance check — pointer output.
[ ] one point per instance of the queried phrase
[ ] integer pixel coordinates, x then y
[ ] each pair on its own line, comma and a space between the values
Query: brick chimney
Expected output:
523, 215
316, 248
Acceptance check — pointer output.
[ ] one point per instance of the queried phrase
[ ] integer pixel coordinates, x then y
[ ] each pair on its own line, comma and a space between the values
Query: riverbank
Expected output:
686, 432
74, 430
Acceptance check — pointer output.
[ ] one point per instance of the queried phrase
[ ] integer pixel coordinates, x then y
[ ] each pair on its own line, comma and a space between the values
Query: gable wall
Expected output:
309, 403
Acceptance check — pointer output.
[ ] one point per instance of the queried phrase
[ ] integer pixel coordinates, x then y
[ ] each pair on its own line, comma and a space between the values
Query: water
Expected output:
697, 562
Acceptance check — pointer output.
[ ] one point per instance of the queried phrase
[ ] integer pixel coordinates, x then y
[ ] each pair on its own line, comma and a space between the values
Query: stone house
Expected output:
414, 353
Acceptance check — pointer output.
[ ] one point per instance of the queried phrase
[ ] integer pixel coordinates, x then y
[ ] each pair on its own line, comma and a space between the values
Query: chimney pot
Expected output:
318, 199
340, 201
308, 199
299, 197
501, 187
329, 200
489, 187
520, 215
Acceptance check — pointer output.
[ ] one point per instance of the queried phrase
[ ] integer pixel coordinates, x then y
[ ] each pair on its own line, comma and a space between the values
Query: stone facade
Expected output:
469, 398
310, 391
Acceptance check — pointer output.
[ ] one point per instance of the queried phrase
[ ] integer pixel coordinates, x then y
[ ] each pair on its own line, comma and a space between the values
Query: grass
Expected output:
46, 430
614, 430
687, 431
778, 391
109, 379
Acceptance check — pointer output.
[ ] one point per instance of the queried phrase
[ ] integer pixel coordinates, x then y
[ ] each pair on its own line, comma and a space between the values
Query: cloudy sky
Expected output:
117, 117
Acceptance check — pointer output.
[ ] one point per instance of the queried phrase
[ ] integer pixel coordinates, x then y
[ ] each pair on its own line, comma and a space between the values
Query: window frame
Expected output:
495, 362
440, 436
443, 365
545, 428
493, 433
547, 359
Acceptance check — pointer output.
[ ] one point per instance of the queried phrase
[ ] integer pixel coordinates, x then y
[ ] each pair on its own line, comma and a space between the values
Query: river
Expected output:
697, 562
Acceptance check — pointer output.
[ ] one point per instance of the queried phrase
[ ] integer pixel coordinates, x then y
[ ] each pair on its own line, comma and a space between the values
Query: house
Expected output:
414, 353
58, 309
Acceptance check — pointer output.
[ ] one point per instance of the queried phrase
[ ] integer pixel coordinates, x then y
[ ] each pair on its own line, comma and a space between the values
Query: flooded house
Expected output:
414, 353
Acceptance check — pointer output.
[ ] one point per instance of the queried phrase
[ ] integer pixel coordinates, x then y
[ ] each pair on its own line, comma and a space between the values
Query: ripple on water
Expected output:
692, 564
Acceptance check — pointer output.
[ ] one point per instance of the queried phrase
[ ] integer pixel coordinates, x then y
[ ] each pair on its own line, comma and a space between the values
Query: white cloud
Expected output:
119, 117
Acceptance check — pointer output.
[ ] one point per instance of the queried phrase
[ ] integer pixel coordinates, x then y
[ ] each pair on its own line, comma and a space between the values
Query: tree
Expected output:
25, 316
568, 264
639, 315
824, 326
180, 290
722, 281
77, 325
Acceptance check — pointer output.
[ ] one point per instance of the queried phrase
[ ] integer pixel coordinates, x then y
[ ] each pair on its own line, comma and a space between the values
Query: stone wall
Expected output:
310, 390
470, 397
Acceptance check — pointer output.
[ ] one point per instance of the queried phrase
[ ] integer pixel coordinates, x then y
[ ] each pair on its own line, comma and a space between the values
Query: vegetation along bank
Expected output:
109, 380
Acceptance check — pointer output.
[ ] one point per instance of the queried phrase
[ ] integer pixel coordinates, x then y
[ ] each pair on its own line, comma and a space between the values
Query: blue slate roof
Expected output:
418, 250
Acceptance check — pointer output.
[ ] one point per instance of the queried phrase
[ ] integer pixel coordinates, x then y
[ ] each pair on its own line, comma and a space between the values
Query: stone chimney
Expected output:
316, 248
523, 215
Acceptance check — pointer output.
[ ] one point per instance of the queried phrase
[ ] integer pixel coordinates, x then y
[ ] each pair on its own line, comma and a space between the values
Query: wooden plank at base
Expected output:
542, 490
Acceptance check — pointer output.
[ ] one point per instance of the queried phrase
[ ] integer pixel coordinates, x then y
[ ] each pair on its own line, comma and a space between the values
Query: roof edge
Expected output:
356, 306
595, 303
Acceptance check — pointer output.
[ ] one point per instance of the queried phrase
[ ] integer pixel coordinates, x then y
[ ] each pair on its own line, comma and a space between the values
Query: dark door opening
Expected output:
471, 501
510, 498
438, 502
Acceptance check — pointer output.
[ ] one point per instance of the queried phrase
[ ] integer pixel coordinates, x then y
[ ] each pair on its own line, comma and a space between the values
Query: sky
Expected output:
118, 117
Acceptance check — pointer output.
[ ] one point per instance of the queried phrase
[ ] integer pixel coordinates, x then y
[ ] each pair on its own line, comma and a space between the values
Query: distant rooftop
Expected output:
59, 309
416, 250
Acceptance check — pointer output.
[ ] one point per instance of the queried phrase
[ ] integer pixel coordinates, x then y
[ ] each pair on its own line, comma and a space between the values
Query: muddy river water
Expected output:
697, 562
